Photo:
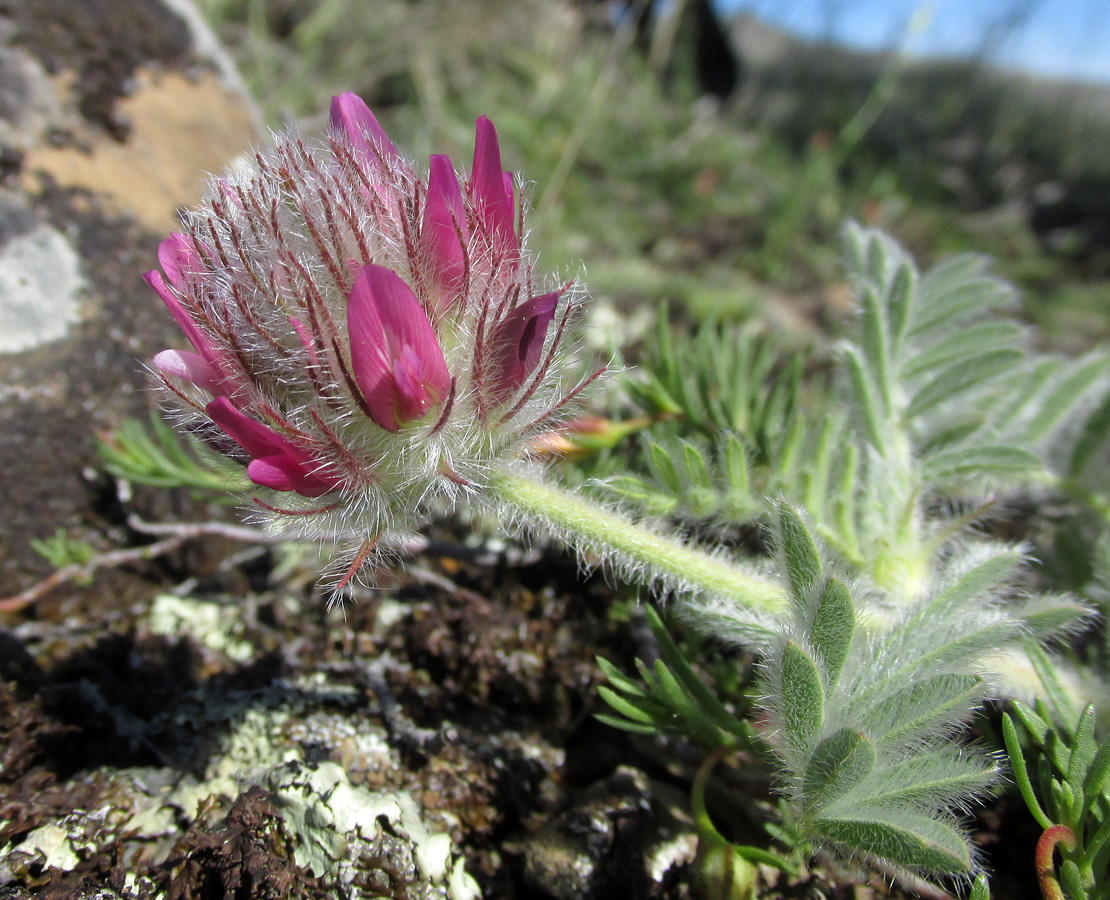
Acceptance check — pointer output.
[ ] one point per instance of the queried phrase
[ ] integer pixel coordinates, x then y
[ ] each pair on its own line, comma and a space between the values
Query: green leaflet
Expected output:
1061, 399
838, 764
690, 480
938, 777
978, 461
1082, 746
669, 698
1095, 781
981, 579
876, 352
1051, 615
803, 699
800, 554
834, 622
909, 841
961, 376
949, 274
903, 291
988, 335
871, 420
665, 468
916, 710
158, 456
943, 305
1093, 437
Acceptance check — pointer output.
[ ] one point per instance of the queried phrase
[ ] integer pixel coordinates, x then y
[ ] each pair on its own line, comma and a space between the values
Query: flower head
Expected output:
370, 341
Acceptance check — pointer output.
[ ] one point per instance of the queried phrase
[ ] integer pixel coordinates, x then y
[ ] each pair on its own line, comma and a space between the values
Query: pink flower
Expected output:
206, 368
362, 331
353, 116
518, 344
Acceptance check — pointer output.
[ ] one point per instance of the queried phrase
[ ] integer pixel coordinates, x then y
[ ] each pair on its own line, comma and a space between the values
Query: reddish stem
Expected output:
1046, 870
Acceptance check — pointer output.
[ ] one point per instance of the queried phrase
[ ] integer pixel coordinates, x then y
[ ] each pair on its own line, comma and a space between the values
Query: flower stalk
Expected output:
630, 546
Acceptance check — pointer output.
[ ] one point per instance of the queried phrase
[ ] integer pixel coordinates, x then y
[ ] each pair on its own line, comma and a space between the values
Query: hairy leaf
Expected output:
1094, 436
978, 461
834, 622
800, 554
934, 779
943, 304
967, 373
803, 699
908, 840
986, 336
915, 710
838, 764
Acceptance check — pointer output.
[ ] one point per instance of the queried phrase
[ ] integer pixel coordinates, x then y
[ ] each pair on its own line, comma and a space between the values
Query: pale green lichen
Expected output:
47, 847
342, 831
363, 842
217, 626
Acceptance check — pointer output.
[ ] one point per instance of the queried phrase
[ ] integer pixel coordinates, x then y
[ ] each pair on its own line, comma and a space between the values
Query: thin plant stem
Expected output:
591, 528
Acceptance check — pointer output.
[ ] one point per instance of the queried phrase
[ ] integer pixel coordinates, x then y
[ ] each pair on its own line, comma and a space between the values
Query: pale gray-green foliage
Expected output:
863, 719
934, 360
670, 698
898, 616
735, 428
159, 456
942, 396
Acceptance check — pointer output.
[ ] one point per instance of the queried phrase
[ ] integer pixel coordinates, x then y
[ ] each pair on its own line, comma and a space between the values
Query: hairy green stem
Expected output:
588, 526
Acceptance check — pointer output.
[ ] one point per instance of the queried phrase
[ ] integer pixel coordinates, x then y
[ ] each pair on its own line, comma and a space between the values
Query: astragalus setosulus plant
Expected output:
904, 616
372, 343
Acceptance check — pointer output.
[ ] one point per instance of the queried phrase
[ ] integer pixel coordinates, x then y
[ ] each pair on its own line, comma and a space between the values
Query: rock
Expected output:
618, 841
111, 113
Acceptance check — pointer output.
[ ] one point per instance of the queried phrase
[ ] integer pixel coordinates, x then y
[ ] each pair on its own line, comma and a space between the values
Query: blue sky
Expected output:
1054, 37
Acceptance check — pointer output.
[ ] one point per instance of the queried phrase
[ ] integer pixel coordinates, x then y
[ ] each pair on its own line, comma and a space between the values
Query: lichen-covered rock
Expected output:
264, 804
110, 113
371, 843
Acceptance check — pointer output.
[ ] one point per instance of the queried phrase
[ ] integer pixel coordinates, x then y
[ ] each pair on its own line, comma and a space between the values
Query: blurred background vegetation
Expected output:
706, 161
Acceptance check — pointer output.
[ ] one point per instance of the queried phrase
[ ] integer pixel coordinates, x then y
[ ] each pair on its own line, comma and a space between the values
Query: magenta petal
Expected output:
353, 116
413, 400
201, 342
443, 225
517, 343
271, 473
282, 474
488, 187
275, 462
178, 257
254, 437
387, 326
219, 380
191, 367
